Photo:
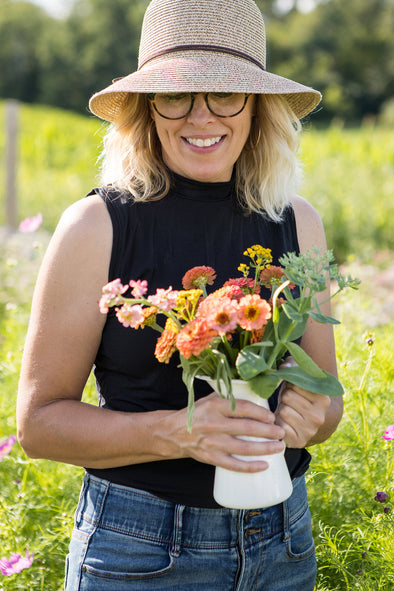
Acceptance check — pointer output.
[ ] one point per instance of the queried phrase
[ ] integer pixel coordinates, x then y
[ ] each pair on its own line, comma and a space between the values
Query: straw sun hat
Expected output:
202, 46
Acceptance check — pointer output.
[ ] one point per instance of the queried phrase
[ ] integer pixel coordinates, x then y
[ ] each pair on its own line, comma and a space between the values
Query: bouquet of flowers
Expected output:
233, 333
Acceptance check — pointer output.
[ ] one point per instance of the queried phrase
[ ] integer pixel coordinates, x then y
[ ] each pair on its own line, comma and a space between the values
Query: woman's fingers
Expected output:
300, 413
221, 436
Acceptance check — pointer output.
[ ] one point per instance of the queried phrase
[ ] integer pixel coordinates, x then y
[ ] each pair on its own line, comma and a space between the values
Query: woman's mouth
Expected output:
203, 143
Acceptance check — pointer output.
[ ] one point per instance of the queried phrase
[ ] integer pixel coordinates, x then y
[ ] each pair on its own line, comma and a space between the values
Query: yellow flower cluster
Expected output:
244, 269
186, 303
259, 255
189, 296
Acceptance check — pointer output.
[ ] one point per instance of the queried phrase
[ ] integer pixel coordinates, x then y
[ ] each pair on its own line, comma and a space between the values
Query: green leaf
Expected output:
292, 313
249, 364
265, 384
304, 361
189, 372
328, 386
285, 324
259, 345
323, 318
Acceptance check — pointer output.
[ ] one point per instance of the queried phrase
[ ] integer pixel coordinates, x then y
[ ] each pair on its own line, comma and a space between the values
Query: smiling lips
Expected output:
203, 143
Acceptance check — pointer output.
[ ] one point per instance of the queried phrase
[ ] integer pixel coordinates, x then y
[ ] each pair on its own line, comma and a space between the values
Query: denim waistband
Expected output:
118, 508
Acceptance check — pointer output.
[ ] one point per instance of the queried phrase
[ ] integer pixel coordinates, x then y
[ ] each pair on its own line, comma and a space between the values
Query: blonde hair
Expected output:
267, 170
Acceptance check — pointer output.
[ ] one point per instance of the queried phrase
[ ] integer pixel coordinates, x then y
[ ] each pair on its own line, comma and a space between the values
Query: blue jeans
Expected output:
127, 540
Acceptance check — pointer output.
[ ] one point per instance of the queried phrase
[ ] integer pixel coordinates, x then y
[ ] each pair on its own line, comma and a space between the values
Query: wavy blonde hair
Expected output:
266, 172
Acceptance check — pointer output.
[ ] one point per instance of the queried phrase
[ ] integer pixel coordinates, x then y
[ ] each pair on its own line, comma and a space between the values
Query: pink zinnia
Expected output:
222, 315
164, 299
6, 446
194, 338
253, 312
139, 288
198, 277
129, 315
388, 434
31, 224
15, 564
233, 292
245, 284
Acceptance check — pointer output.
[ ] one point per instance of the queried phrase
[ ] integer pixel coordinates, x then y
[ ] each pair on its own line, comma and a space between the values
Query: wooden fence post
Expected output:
11, 146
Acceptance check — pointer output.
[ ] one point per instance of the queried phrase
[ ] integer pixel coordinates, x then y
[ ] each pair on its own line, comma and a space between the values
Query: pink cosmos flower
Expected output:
388, 435
31, 224
197, 277
129, 315
139, 288
15, 564
111, 293
253, 312
164, 299
6, 446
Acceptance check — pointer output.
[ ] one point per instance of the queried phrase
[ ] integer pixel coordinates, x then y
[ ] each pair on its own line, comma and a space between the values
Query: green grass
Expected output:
349, 178
57, 154
351, 175
354, 536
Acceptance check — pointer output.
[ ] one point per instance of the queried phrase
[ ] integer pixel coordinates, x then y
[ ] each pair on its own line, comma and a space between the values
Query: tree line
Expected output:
343, 48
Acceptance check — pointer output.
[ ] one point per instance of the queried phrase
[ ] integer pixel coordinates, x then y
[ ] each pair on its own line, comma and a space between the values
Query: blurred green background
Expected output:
343, 48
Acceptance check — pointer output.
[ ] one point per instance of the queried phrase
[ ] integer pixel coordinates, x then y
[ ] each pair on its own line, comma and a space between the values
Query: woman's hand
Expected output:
304, 416
216, 432
301, 414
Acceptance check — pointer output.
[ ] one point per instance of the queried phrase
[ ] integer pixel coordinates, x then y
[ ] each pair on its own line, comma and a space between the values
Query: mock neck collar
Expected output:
201, 191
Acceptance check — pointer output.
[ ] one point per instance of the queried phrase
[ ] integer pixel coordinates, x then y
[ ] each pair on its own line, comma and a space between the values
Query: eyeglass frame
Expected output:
151, 98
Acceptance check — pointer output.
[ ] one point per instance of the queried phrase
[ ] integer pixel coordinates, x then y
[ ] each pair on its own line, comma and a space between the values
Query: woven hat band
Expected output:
214, 48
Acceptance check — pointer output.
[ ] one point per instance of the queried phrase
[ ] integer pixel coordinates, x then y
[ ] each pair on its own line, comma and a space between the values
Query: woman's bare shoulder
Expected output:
89, 214
310, 228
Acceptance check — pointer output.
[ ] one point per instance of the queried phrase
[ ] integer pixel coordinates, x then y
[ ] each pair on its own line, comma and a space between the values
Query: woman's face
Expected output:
222, 139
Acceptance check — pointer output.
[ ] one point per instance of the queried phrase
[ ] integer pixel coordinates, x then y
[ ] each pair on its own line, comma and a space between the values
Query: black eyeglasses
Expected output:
178, 105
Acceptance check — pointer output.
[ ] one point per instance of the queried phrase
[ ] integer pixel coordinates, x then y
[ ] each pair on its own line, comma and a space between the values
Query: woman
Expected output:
199, 164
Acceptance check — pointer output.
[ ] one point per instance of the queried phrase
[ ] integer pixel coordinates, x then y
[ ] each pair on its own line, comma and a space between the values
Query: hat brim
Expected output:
202, 72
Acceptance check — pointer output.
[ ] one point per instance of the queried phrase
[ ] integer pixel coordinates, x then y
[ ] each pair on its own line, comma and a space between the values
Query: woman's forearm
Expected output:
77, 433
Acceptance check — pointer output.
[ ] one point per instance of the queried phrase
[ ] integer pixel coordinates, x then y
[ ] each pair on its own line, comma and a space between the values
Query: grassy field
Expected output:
350, 180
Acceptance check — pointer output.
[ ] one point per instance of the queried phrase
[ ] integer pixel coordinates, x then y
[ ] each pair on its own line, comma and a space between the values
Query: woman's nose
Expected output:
200, 111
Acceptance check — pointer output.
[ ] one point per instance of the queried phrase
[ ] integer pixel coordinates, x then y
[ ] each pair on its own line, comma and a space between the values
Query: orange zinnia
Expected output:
253, 312
198, 277
166, 343
194, 338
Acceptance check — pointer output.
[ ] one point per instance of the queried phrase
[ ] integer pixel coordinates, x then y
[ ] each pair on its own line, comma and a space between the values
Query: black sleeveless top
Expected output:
195, 224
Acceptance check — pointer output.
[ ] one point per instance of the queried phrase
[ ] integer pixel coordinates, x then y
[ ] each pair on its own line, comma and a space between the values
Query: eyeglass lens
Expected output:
178, 105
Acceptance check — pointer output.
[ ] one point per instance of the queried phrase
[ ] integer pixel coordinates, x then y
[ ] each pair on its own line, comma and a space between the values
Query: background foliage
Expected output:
345, 49
349, 174
349, 177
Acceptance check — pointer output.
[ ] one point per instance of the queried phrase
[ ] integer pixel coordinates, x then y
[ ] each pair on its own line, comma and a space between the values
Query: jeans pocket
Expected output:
298, 537
114, 556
